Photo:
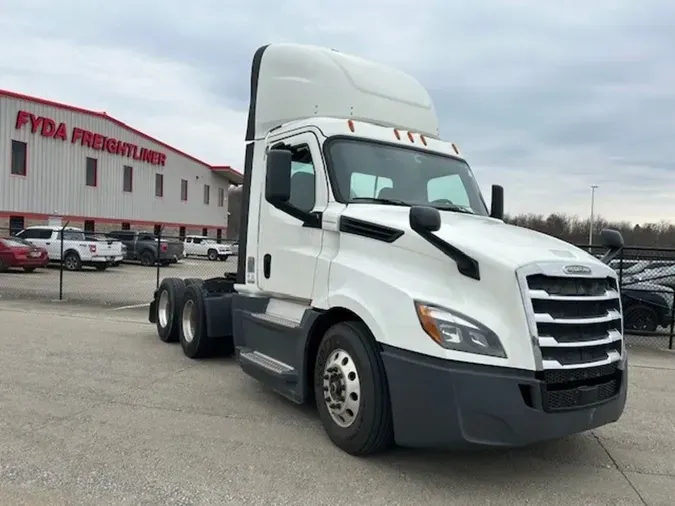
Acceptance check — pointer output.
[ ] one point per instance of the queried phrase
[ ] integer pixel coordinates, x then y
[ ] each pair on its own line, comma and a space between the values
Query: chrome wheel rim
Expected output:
189, 321
71, 263
163, 309
341, 388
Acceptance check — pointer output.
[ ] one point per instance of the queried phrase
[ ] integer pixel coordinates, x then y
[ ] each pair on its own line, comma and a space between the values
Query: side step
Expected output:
273, 367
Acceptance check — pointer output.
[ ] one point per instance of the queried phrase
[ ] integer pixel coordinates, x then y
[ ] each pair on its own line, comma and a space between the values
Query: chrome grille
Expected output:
576, 324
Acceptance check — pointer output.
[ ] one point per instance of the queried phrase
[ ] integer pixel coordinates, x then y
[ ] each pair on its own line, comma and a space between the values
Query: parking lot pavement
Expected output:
96, 410
126, 284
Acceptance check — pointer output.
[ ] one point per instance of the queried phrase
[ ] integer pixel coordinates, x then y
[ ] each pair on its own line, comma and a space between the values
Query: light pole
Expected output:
590, 227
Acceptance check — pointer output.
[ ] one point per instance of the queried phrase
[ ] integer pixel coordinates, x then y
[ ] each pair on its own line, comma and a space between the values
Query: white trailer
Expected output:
374, 281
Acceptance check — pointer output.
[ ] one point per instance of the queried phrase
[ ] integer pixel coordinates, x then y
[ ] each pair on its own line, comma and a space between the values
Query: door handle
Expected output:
267, 265
47, 243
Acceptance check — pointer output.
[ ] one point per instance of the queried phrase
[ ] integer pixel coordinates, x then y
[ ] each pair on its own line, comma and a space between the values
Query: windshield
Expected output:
365, 171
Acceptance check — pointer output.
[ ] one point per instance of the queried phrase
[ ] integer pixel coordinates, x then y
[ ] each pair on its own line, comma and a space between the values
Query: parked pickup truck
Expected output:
143, 247
77, 250
202, 246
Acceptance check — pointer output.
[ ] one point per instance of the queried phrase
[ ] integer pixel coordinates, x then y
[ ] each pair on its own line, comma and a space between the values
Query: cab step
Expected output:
281, 377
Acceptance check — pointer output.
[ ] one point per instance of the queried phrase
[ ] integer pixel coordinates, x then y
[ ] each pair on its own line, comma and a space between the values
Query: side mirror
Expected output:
613, 241
424, 219
497, 204
278, 177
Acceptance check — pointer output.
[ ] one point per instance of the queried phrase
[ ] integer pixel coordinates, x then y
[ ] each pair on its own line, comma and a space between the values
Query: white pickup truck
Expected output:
78, 251
199, 245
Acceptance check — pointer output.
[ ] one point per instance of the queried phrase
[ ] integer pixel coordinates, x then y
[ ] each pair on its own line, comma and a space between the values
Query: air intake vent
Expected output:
370, 230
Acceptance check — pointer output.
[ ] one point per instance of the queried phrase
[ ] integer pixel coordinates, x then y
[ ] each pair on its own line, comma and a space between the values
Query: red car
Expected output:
15, 252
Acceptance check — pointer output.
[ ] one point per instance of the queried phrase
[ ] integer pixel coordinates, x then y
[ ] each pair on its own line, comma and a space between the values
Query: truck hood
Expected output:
478, 236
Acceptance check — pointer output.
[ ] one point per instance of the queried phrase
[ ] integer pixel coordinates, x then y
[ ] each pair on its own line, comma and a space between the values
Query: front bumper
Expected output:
443, 404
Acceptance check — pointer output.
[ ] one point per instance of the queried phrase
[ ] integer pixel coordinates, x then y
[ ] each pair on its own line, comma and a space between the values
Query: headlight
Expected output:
458, 332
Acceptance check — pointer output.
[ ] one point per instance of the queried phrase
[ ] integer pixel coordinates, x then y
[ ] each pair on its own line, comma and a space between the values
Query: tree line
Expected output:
575, 230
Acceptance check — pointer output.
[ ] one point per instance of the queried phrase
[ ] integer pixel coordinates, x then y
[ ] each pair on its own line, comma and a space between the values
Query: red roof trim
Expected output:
237, 176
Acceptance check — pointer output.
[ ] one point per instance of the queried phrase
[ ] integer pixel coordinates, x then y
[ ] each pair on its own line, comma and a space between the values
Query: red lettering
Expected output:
61, 132
111, 145
35, 122
48, 127
87, 138
77, 135
147, 155
98, 142
22, 118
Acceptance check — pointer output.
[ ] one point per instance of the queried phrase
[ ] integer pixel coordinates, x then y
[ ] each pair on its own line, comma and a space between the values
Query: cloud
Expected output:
545, 98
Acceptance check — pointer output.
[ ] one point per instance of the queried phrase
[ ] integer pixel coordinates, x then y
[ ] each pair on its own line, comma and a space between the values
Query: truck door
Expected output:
287, 250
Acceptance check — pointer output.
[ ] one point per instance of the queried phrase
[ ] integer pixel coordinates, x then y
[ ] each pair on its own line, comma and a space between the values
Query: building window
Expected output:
181, 233
158, 229
89, 225
16, 224
159, 185
221, 197
205, 232
19, 156
92, 172
207, 194
128, 179
219, 235
126, 225
183, 189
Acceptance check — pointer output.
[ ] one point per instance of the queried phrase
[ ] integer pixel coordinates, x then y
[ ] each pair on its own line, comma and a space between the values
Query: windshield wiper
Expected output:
454, 208
393, 202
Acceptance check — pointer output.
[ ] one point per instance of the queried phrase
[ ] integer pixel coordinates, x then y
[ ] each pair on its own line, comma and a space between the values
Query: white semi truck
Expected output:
374, 281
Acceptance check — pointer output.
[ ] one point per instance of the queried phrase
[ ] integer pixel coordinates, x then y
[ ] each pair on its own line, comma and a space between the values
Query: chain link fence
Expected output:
123, 270
101, 270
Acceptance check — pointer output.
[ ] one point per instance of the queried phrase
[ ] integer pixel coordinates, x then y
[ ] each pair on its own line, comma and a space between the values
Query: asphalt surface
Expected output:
124, 285
96, 410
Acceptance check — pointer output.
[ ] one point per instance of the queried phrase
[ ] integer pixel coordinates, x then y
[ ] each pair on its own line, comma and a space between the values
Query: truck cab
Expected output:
374, 280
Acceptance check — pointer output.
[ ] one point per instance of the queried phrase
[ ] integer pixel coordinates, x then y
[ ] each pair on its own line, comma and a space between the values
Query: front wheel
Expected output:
351, 390
29, 269
212, 255
640, 317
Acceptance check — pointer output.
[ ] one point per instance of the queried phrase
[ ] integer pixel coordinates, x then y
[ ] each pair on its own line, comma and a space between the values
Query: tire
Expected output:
100, 267
193, 281
193, 338
27, 269
212, 255
641, 317
147, 258
169, 304
72, 261
371, 428
3, 266
224, 258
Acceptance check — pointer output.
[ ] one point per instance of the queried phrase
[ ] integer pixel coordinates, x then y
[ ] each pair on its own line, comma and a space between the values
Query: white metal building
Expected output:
100, 174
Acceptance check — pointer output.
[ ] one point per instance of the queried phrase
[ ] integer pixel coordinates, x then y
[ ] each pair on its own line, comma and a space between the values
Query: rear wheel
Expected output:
169, 303
193, 336
29, 269
351, 390
147, 258
72, 262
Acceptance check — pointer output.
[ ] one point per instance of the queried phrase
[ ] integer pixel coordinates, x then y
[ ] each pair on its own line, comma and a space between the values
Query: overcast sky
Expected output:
545, 98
